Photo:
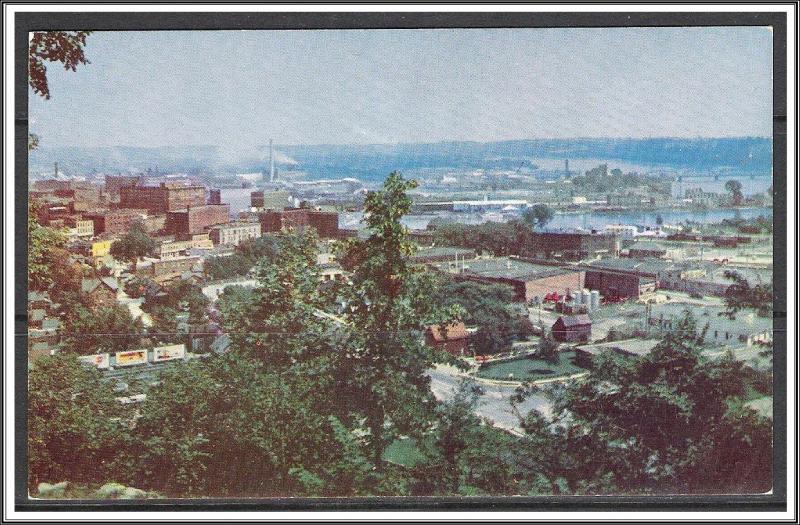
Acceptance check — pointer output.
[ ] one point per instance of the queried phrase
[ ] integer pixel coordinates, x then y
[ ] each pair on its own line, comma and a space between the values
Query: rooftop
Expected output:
509, 268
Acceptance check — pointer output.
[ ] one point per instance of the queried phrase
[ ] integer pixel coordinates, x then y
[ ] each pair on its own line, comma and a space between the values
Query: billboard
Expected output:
167, 353
100, 361
131, 357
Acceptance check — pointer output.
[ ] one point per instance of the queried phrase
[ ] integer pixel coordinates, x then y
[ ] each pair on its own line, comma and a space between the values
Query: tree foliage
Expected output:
66, 47
742, 295
538, 215
670, 422
71, 431
387, 306
133, 245
734, 187
103, 329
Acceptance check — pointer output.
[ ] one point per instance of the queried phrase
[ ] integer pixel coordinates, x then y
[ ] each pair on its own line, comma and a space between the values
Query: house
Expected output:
572, 328
452, 338
103, 290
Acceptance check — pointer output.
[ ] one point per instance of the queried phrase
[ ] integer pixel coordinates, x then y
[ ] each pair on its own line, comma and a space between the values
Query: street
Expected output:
494, 404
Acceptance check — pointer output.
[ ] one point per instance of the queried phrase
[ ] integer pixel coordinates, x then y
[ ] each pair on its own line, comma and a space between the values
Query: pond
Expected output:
525, 369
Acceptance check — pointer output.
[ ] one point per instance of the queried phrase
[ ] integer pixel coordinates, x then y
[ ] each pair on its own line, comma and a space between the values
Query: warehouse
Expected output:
529, 280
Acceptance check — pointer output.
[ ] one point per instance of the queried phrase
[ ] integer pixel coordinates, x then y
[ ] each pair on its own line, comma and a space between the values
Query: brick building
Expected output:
572, 328
113, 183
452, 338
234, 233
197, 219
215, 196
115, 222
326, 223
162, 198
618, 284
528, 279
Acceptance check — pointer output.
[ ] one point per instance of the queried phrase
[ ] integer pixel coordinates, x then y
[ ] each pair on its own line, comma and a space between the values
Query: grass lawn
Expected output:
531, 369
404, 452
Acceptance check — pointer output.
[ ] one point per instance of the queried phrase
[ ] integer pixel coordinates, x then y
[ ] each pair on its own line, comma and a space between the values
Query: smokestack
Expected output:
55, 176
271, 163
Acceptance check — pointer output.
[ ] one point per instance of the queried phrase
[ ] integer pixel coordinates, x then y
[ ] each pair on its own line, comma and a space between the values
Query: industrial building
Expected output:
528, 279
574, 246
326, 223
115, 222
197, 219
166, 197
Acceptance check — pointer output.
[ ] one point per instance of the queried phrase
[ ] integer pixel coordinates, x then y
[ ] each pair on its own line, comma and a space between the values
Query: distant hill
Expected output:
373, 162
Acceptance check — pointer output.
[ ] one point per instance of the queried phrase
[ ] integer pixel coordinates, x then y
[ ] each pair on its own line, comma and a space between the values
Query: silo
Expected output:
585, 298
595, 299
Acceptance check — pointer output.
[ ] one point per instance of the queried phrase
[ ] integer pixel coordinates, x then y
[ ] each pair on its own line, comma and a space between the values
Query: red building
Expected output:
452, 338
197, 219
113, 183
326, 223
115, 221
162, 198
572, 328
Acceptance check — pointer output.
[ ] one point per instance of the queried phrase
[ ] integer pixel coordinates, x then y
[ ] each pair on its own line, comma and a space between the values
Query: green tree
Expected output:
66, 47
72, 432
46, 250
133, 245
548, 349
734, 187
227, 426
104, 329
387, 305
742, 295
538, 215
667, 422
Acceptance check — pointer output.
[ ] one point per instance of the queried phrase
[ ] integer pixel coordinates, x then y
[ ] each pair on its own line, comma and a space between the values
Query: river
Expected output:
239, 199
587, 219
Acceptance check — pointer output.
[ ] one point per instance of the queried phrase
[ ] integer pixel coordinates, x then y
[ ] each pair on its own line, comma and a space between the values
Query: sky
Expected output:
238, 88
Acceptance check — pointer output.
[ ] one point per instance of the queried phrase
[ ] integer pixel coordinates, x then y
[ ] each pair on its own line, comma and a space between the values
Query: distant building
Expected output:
115, 222
183, 247
197, 219
442, 254
527, 278
642, 250
575, 245
79, 228
113, 183
275, 200
173, 266
326, 223
215, 196
163, 198
572, 328
625, 231
452, 338
617, 284
234, 233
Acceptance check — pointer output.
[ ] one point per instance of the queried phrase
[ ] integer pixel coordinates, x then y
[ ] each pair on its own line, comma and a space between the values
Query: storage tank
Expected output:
595, 299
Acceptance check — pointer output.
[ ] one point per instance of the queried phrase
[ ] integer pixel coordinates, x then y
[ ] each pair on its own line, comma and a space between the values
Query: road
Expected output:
493, 404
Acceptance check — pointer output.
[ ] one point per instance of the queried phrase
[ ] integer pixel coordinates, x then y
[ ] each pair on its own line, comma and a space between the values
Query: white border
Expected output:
8, 156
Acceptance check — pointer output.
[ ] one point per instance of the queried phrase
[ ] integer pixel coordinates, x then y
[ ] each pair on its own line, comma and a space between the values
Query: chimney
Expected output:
271, 163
